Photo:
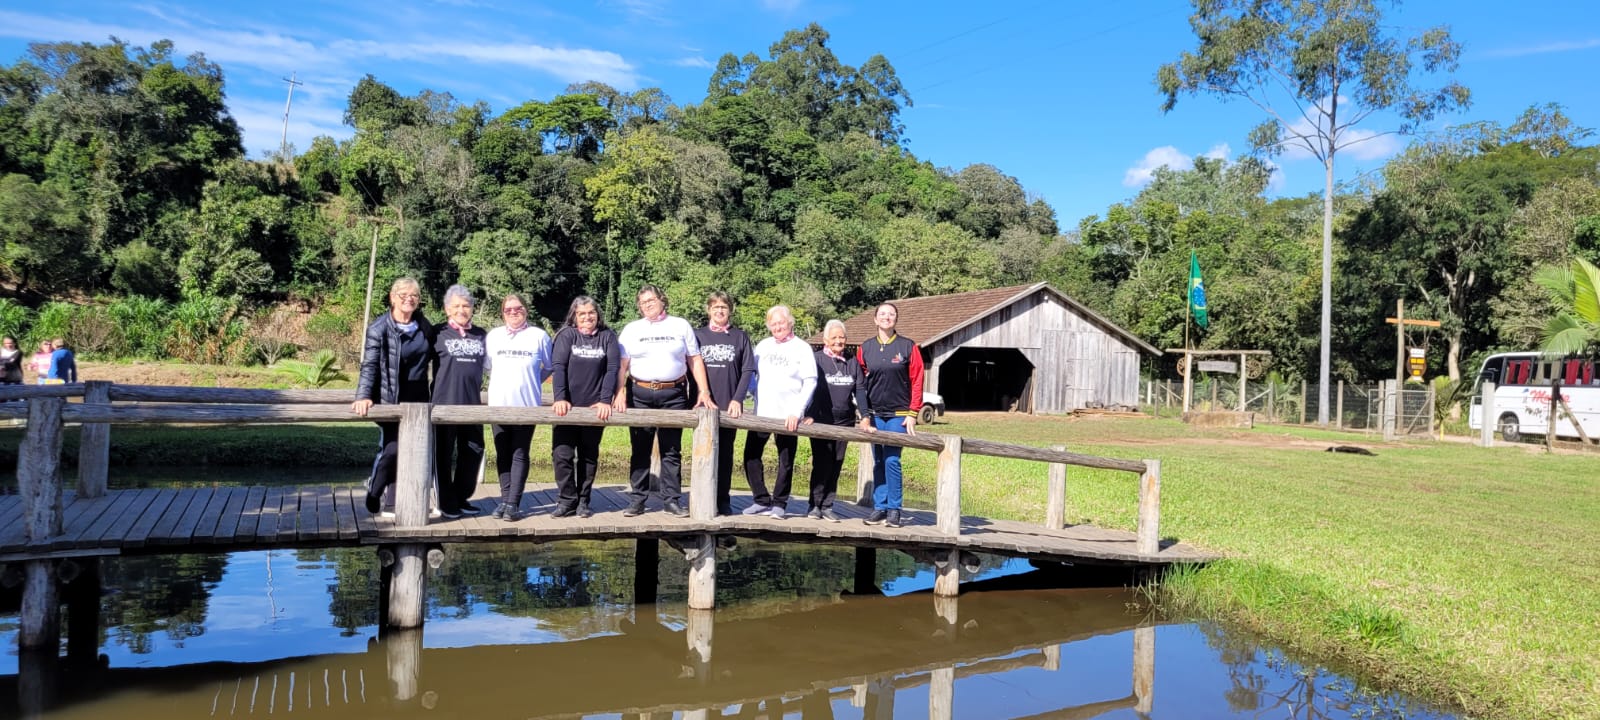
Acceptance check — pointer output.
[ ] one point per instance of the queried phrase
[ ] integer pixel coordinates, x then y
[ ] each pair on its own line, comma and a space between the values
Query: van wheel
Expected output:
926, 415
1509, 430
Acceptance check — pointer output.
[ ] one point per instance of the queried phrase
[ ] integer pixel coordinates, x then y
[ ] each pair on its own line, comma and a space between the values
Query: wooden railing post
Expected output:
1055, 511
702, 556
1149, 532
1338, 405
94, 444
703, 470
942, 693
864, 474
414, 470
948, 502
39, 481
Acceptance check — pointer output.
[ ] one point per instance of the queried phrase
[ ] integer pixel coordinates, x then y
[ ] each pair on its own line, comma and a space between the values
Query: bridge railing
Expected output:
192, 405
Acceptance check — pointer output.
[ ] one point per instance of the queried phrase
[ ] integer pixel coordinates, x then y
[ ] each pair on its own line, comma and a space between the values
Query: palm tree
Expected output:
1576, 293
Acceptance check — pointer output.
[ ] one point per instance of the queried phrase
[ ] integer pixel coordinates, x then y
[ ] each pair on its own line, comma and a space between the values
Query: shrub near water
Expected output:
144, 325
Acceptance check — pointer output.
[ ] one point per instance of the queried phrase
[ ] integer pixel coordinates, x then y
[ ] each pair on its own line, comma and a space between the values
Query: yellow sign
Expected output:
1416, 364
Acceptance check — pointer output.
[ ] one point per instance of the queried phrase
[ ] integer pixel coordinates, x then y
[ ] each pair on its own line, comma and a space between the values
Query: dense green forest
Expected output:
132, 222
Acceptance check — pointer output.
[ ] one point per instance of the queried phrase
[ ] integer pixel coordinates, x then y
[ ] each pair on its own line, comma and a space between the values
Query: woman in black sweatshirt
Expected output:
586, 359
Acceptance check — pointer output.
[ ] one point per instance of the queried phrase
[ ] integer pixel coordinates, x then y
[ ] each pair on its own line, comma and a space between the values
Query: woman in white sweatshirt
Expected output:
786, 374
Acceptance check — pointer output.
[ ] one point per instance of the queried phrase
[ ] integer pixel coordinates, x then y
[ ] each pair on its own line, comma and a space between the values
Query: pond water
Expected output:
554, 631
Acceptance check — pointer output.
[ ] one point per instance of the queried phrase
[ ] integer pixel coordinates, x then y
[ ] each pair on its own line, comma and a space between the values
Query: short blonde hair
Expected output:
782, 311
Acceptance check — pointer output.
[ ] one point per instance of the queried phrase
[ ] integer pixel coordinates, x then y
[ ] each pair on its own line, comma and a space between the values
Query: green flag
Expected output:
1197, 292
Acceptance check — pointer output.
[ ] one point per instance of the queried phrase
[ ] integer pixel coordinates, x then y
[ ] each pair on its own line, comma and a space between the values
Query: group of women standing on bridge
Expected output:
658, 361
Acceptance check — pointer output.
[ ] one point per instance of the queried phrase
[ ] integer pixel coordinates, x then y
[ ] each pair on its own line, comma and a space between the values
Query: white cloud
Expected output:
565, 64
1546, 48
1170, 156
694, 61
1357, 143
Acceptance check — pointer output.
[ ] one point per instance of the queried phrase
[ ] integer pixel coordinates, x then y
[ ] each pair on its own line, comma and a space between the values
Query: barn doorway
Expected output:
987, 379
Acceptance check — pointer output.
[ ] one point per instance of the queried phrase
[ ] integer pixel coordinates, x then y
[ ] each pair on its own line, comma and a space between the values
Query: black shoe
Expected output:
449, 514
565, 511
471, 510
877, 517
674, 509
499, 512
814, 513
635, 508
894, 518
583, 509
374, 503
827, 514
511, 514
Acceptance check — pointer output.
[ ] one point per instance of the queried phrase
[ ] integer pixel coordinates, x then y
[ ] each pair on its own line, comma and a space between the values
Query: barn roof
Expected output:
930, 319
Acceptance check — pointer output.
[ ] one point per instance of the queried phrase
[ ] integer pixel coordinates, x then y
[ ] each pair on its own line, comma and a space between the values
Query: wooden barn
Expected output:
1028, 348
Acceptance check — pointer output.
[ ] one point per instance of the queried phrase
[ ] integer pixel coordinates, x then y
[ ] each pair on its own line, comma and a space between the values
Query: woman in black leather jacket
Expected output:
394, 369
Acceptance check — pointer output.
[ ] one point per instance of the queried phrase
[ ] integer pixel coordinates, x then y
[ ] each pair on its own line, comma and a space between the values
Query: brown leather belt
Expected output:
650, 385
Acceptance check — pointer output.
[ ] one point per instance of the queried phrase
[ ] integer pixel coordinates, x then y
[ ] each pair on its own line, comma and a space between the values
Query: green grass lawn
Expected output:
1455, 573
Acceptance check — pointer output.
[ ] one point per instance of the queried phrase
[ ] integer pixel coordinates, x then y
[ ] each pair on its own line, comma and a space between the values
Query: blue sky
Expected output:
1058, 94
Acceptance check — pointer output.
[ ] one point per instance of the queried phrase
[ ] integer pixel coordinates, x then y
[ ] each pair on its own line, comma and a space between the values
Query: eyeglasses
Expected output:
409, 296
519, 310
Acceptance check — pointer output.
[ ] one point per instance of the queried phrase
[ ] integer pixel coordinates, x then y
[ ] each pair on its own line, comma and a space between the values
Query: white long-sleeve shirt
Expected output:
786, 374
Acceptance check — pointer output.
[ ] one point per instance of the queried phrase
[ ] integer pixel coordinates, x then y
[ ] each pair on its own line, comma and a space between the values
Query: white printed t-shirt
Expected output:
518, 365
658, 350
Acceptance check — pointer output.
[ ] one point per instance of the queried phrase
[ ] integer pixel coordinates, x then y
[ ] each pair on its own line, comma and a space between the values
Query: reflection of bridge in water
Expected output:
789, 662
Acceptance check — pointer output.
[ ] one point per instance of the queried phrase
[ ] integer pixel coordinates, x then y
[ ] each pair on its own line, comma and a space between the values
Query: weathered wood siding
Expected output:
1077, 363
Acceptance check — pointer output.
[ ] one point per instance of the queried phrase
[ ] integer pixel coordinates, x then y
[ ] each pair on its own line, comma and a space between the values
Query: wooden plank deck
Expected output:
239, 518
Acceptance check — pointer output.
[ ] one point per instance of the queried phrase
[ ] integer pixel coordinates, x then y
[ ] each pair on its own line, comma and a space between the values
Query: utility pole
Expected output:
283, 145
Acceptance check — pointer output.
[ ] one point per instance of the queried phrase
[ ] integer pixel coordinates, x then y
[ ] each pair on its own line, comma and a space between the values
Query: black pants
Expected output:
384, 465
575, 453
457, 450
669, 440
511, 460
827, 458
725, 438
755, 444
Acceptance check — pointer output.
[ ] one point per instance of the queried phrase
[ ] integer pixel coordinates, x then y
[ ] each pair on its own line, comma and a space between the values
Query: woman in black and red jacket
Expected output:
893, 366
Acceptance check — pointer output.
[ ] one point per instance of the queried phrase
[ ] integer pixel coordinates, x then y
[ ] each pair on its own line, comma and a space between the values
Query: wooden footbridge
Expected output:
45, 524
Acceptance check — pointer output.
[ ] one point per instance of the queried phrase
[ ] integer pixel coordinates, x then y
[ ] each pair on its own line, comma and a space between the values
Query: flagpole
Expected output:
1188, 305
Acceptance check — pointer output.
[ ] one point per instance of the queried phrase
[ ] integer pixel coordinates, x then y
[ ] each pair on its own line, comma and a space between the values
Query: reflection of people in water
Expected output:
814, 705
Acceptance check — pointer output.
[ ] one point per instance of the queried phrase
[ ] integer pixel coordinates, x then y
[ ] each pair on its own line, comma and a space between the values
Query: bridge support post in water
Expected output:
942, 693
947, 583
39, 482
699, 632
408, 581
701, 552
94, 444
1144, 668
646, 570
866, 574
403, 657
1148, 534
83, 610
703, 467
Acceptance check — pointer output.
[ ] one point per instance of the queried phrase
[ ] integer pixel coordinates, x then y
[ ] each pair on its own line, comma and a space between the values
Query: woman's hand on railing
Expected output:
620, 403
602, 410
911, 426
360, 407
791, 422
735, 409
866, 424
561, 407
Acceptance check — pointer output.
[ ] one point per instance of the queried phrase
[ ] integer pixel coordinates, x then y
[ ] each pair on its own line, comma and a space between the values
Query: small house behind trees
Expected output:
1028, 348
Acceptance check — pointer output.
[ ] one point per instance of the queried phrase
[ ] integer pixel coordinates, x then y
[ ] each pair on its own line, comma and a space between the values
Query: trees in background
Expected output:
789, 183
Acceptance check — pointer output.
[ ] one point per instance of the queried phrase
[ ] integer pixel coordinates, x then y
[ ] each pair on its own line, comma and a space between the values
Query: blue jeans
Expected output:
886, 493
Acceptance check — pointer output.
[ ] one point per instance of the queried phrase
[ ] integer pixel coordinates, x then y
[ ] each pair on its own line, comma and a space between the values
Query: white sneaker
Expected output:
757, 509
387, 514
778, 512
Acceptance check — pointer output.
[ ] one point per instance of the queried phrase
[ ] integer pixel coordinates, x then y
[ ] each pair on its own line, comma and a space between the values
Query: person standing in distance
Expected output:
63, 362
586, 360
893, 366
518, 364
462, 349
725, 350
839, 400
659, 351
786, 373
394, 369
